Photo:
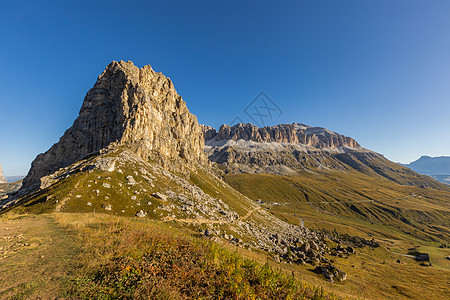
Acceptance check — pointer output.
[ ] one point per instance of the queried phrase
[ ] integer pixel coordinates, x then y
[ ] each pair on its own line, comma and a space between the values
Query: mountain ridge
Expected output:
435, 167
287, 149
295, 133
429, 165
128, 106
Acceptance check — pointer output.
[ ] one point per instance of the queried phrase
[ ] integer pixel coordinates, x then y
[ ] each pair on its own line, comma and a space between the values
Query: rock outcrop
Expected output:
132, 107
281, 149
288, 149
295, 133
2, 178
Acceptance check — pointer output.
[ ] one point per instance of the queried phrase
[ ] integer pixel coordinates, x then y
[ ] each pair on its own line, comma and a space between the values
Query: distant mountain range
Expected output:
436, 167
291, 149
14, 178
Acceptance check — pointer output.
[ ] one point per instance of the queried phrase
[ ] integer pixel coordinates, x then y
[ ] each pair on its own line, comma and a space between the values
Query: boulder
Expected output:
141, 214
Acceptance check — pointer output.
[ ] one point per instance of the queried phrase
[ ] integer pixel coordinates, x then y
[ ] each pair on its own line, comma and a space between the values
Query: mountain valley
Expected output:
303, 208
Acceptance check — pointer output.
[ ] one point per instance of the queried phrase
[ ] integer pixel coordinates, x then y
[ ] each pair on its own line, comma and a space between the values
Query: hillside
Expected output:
96, 256
131, 184
9, 187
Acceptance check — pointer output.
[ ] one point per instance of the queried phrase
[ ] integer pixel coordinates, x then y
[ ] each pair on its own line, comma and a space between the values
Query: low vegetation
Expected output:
330, 199
115, 257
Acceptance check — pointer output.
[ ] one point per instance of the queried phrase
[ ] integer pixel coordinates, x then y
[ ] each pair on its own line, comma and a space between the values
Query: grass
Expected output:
338, 200
115, 256
37, 257
111, 257
91, 256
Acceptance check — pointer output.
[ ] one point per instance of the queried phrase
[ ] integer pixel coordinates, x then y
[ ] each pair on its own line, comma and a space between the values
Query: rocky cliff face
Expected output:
2, 178
289, 149
132, 107
295, 133
281, 149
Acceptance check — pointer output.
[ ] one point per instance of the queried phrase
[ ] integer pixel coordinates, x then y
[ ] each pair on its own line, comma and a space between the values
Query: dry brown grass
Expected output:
93, 256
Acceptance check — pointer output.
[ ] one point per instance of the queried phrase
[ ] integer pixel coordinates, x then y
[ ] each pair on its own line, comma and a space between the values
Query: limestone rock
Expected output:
208, 132
160, 196
141, 214
2, 178
295, 133
132, 107
331, 273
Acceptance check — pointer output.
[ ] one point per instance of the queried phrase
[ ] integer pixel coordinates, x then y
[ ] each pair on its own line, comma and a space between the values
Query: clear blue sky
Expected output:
378, 71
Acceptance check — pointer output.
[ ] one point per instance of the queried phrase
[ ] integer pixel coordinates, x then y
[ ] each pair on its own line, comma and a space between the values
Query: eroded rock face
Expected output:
133, 107
2, 178
295, 133
282, 149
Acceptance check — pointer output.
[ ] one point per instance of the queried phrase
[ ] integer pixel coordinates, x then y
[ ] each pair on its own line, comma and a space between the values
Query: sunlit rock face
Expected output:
132, 107
2, 178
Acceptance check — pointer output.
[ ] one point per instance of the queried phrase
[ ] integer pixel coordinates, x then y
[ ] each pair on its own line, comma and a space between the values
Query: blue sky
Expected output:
378, 71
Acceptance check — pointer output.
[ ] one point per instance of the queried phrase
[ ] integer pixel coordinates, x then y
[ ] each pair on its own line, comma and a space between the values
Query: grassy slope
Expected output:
102, 256
72, 194
375, 164
422, 213
292, 192
324, 200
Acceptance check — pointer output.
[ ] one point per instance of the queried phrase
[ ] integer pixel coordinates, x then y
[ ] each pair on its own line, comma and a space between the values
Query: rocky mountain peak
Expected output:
294, 133
2, 178
133, 107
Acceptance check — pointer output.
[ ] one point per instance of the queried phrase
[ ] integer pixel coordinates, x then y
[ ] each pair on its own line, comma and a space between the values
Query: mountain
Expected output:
288, 149
436, 167
135, 150
132, 107
431, 165
136, 172
312, 169
2, 178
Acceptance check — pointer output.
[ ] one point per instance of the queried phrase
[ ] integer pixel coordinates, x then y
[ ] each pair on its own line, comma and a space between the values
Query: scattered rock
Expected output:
141, 214
158, 195
305, 247
331, 273
131, 180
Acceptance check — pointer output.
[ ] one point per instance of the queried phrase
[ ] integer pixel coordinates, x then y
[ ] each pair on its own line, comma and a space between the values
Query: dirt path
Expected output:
249, 213
209, 221
35, 257
195, 221
357, 201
